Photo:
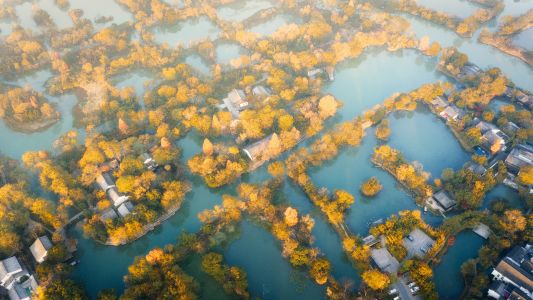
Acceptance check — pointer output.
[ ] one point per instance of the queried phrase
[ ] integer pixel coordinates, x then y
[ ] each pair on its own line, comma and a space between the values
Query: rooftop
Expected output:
255, 150
452, 112
8, 267
444, 199
439, 102
476, 168
116, 197
237, 98
520, 156
517, 266
384, 260
39, 248
260, 91
108, 214
125, 209
105, 181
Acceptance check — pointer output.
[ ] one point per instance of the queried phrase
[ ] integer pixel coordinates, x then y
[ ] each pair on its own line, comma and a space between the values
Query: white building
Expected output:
39, 248
10, 271
125, 209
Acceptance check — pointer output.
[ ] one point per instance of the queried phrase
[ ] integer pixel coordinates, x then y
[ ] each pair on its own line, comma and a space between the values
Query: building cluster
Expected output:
237, 100
513, 276
447, 111
121, 204
16, 280
417, 243
520, 97
493, 140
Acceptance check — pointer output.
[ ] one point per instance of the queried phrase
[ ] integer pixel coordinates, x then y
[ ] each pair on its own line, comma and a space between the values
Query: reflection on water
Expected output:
524, 39
93, 10
270, 276
270, 26
198, 64
227, 51
447, 274
368, 80
423, 137
186, 32
242, 10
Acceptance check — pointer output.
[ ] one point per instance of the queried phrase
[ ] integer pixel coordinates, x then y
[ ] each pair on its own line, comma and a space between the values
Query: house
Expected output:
108, 214
116, 197
24, 289
384, 260
314, 73
525, 100
439, 103
510, 181
493, 138
107, 184
39, 248
104, 181
452, 113
520, 156
504, 291
125, 209
470, 69
149, 162
238, 99
516, 269
260, 91
511, 127
476, 168
482, 230
10, 271
255, 151
444, 200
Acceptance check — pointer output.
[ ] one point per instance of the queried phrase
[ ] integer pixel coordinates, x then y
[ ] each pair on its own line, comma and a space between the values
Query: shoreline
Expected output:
147, 228
505, 46
29, 128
